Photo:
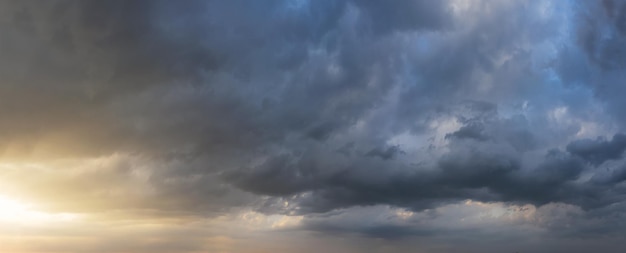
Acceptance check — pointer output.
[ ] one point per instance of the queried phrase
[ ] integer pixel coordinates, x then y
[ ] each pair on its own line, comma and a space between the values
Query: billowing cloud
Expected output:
242, 122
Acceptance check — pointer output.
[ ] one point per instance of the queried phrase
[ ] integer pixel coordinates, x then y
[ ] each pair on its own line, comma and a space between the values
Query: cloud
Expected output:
313, 108
599, 150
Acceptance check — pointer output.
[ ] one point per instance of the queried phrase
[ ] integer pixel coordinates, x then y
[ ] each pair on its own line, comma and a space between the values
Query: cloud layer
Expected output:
321, 116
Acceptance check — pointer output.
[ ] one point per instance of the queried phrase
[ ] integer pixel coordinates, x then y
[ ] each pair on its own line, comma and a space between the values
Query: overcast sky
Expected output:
246, 126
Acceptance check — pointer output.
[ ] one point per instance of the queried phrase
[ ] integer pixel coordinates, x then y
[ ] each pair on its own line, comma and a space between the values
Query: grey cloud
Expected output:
599, 150
385, 154
486, 172
600, 36
405, 15
470, 131
281, 175
482, 123
610, 176
326, 104
144, 79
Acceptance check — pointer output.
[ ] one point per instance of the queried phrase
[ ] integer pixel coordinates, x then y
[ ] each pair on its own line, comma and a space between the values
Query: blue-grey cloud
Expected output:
309, 107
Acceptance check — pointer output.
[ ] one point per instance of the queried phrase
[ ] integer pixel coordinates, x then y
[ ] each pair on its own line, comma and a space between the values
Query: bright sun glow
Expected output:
14, 211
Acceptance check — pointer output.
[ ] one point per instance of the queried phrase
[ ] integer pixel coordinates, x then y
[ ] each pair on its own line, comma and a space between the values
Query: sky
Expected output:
245, 126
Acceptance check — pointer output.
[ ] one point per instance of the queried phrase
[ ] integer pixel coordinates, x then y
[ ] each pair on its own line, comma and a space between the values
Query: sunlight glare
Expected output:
14, 211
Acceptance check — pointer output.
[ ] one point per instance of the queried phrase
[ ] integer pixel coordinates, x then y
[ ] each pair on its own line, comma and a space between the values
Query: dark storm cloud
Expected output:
481, 173
404, 15
385, 154
486, 171
141, 77
599, 150
610, 177
470, 131
601, 35
251, 104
